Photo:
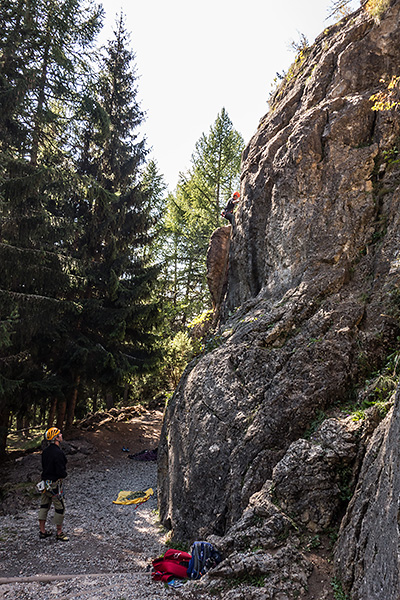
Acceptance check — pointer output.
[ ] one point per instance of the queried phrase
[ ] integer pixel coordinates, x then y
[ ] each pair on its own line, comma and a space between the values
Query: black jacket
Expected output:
54, 463
230, 206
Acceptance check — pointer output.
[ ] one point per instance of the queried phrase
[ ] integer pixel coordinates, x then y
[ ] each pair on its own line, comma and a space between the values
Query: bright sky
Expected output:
194, 58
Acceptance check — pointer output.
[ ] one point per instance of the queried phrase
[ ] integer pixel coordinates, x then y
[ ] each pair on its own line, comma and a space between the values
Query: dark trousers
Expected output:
231, 218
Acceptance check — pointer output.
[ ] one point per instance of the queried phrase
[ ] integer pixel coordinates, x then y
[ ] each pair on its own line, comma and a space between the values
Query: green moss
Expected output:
177, 544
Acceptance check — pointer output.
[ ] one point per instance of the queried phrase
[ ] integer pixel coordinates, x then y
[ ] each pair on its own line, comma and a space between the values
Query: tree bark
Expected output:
126, 393
94, 399
109, 400
52, 413
4, 426
72, 403
61, 410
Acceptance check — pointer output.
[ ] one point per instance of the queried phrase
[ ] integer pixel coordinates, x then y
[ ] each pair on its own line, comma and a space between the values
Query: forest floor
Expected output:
110, 546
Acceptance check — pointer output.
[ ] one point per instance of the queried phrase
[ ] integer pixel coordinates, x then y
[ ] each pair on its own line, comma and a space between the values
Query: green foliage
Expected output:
394, 302
177, 544
281, 81
376, 8
22, 443
301, 45
345, 475
178, 352
337, 588
318, 419
201, 320
379, 389
391, 156
75, 220
313, 543
248, 579
193, 213
8, 385
182, 226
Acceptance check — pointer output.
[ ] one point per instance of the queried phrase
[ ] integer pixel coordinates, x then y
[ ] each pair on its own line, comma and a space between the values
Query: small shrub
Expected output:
387, 99
314, 542
339, 9
252, 580
338, 592
377, 8
319, 418
177, 544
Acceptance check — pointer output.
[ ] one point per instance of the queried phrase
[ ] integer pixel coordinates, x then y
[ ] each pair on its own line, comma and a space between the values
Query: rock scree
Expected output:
110, 547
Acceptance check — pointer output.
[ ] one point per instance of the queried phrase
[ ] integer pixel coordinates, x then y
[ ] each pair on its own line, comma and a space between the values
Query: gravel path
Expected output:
110, 547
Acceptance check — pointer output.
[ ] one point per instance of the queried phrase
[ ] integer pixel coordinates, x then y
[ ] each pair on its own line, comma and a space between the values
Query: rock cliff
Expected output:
311, 309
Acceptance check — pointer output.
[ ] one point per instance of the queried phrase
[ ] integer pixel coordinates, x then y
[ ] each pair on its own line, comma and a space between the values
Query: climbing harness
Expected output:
54, 487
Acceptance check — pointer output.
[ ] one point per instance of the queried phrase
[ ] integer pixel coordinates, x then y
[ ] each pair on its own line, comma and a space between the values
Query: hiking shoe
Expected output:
44, 535
62, 537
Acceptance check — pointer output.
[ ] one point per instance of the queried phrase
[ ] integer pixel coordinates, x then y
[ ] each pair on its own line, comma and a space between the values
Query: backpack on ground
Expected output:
204, 557
173, 564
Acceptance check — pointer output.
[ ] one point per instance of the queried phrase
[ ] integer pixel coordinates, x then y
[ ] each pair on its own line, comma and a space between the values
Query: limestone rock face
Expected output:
368, 550
312, 301
306, 481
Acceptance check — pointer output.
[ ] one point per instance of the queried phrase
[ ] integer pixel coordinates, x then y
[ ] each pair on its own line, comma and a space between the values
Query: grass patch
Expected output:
16, 442
248, 579
177, 545
338, 592
319, 418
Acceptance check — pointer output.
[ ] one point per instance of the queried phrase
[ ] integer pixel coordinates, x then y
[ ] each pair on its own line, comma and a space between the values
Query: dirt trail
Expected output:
104, 537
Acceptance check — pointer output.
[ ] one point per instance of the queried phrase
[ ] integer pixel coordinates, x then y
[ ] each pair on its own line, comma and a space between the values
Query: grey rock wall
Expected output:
368, 549
312, 300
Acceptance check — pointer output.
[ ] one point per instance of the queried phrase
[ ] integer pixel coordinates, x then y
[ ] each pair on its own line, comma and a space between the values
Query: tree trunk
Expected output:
20, 422
4, 426
126, 393
109, 400
38, 123
61, 410
52, 413
42, 414
26, 426
72, 403
34, 415
94, 399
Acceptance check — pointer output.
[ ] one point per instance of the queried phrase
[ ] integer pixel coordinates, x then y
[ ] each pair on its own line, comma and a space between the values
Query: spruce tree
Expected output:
42, 64
113, 332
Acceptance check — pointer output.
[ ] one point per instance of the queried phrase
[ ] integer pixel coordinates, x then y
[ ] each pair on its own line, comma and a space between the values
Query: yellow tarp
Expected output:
133, 497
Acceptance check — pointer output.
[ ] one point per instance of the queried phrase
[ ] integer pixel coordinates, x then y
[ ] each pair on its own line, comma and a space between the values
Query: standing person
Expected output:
54, 463
227, 213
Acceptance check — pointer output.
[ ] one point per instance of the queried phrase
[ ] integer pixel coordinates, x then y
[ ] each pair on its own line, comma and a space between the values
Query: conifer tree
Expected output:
194, 211
113, 331
42, 54
215, 167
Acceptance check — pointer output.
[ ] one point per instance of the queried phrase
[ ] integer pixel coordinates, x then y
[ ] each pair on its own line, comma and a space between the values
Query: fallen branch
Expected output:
48, 578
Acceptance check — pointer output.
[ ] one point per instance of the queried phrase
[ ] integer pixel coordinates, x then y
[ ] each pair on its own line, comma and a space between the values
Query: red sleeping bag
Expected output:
174, 563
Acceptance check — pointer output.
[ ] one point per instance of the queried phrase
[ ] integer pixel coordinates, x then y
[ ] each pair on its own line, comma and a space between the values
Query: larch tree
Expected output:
215, 167
194, 211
